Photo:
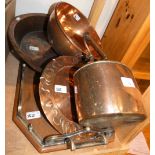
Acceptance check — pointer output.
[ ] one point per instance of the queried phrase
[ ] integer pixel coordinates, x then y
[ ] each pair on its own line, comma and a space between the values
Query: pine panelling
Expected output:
95, 12
141, 69
138, 44
143, 63
141, 75
123, 27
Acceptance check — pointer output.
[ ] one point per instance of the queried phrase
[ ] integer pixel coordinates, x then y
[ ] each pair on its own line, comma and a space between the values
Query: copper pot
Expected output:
66, 29
107, 94
27, 35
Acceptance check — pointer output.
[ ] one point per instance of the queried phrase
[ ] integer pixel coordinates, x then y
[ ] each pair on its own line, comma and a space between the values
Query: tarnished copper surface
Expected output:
59, 107
27, 35
66, 28
104, 99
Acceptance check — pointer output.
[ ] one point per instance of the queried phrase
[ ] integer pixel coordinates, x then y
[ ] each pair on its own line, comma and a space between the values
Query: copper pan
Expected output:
109, 97
66, 29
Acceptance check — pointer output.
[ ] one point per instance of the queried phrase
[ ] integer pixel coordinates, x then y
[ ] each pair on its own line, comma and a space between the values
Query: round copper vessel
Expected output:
27, 35
66, 29
107, 95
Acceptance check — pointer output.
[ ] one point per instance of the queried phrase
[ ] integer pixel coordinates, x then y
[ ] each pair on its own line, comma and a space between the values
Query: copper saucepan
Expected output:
109, 97
67, 27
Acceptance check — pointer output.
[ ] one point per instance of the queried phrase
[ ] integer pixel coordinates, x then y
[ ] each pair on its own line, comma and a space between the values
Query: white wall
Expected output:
42, 6
105, 16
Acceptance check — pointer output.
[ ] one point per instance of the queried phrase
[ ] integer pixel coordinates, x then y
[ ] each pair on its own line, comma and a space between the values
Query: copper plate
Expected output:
58, 105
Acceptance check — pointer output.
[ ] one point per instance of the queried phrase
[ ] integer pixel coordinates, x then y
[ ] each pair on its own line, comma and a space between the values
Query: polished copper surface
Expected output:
102, 99
66, 29
38, 130
59, 107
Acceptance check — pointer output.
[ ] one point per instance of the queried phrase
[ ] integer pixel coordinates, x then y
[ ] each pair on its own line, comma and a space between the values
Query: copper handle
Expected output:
88, 38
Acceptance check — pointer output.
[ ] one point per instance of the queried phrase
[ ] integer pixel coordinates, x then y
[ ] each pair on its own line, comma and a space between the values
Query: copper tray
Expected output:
32, 121
26, 100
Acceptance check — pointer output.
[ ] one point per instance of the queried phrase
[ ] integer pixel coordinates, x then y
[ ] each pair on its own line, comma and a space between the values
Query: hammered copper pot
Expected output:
66, 29
107, 94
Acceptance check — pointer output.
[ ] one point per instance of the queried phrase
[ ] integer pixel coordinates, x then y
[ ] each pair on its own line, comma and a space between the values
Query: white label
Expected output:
127, 82
33, 48
60, 89
77, 17
75, 89
33, 115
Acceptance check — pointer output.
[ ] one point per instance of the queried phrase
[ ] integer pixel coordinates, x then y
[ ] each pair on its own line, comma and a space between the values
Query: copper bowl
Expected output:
28, 37
66, 29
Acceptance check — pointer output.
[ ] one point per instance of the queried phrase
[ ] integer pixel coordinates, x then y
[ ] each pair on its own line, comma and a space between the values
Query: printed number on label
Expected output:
60, 89
77, 17
33, 48
33, 115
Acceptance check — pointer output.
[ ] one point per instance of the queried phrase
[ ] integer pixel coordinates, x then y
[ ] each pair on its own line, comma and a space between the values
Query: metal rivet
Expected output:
30, 127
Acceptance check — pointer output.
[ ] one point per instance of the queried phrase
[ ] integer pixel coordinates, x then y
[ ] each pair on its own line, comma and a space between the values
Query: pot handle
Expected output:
88, 38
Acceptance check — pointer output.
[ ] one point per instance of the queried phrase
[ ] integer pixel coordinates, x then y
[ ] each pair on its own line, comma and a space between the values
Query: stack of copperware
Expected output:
82, 95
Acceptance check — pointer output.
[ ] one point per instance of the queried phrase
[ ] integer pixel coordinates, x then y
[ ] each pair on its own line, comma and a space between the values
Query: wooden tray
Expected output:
29, 116
26, 100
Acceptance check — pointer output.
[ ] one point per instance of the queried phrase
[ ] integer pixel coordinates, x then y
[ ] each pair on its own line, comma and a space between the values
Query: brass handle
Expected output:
88, 38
